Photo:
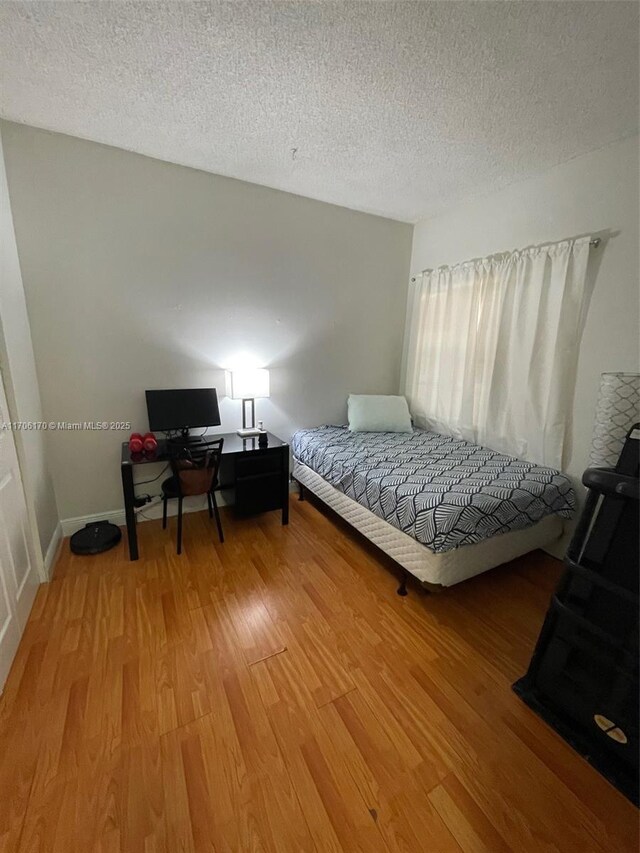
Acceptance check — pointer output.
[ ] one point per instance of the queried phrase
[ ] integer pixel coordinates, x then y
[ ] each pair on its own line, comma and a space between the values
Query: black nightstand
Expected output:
254, 478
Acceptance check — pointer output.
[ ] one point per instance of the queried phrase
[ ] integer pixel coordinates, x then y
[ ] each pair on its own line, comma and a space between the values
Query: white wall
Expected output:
141, 274
21, 383
593, 193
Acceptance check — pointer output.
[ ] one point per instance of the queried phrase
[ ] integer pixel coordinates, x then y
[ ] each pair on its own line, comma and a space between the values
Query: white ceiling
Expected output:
394, 108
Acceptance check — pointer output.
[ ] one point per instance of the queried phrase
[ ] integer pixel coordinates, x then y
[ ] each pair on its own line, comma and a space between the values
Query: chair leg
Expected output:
209, 505
164, 513
217, 515
179, 544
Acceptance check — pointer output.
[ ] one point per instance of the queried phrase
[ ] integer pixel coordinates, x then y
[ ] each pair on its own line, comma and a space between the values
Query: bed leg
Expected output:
402, 589
301, 492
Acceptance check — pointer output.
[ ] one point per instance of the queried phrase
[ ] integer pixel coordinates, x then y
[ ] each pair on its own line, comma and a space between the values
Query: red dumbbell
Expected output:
136, 443
150, 443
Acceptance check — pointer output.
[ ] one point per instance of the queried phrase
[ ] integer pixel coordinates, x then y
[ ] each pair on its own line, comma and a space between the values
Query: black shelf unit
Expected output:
583, 678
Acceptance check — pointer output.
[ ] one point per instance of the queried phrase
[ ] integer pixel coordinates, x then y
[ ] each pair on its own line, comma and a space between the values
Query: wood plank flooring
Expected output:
275, 694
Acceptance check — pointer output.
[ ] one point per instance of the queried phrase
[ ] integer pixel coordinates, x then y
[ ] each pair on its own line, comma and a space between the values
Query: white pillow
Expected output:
378, 413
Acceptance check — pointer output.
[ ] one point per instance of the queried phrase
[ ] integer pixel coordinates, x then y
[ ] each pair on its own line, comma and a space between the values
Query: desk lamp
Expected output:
246, 385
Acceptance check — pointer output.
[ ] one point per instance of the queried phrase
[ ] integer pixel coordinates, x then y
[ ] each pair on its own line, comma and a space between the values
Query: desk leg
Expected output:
285, 486
128, 493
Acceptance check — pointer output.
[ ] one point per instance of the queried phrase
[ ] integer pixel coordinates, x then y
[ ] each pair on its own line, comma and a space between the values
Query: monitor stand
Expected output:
185, 438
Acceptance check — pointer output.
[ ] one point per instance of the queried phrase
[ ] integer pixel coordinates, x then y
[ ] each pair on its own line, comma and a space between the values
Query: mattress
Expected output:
443, 492
440, 570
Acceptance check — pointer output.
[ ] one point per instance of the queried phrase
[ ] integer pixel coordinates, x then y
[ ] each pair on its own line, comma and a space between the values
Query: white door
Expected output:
18, 577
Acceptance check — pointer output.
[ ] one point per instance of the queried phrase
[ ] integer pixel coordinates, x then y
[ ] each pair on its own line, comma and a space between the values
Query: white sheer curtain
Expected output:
492, 348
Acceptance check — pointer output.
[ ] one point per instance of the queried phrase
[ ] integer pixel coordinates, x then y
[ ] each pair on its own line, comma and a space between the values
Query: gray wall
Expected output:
141, 274
21, 386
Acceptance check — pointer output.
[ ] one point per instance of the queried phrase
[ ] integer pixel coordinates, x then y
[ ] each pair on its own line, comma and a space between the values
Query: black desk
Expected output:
259, 476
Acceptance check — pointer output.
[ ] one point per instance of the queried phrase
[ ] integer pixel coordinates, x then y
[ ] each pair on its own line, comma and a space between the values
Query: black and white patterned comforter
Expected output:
443, 491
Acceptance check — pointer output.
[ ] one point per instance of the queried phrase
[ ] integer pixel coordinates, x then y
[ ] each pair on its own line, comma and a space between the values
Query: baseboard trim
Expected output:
51, 553
71, 525
146, 513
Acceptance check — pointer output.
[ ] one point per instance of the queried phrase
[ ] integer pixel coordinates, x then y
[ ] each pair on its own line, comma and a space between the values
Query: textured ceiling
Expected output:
393, 108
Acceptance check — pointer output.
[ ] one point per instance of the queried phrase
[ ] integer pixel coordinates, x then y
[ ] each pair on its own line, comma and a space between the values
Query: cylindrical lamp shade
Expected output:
617, 410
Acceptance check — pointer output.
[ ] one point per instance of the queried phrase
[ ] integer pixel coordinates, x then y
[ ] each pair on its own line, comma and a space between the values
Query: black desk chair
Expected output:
195, 472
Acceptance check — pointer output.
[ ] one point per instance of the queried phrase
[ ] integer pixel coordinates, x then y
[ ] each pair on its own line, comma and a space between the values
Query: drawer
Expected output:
260, 493
259, 463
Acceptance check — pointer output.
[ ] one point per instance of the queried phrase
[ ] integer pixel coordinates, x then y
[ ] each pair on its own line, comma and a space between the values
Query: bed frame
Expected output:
432, 570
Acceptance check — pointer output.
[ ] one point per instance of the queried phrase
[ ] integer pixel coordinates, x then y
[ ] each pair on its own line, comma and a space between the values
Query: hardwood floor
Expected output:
274, 693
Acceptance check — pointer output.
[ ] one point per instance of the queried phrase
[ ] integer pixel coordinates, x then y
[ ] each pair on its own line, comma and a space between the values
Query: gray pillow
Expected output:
378, 413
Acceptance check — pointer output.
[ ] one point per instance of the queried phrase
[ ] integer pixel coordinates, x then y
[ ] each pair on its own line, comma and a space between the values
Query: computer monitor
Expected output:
182, 409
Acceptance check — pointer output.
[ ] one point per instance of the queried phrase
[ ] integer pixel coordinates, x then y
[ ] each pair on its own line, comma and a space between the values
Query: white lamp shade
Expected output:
249, 383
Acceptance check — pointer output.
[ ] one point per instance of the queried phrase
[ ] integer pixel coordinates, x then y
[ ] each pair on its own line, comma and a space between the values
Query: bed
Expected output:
444, 509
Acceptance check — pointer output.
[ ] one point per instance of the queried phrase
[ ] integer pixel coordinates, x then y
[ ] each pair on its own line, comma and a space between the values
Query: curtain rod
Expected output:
595, 242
